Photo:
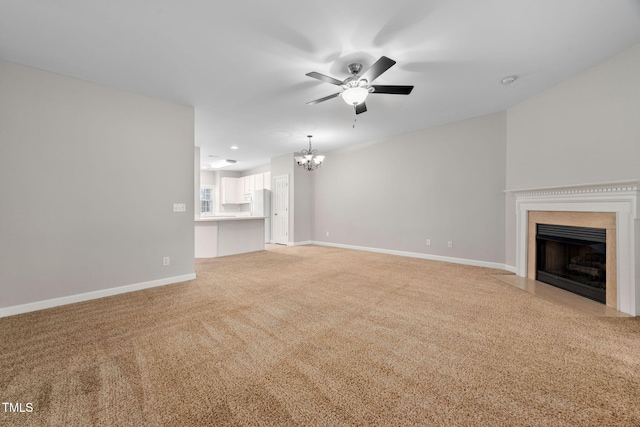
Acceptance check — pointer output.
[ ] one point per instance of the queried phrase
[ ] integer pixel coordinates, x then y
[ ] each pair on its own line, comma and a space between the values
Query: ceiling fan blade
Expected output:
380, 66
324, 78
361, 108
323, 99
394, 90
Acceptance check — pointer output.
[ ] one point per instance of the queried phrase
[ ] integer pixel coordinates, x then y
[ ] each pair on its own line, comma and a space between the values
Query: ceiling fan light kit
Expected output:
355, 95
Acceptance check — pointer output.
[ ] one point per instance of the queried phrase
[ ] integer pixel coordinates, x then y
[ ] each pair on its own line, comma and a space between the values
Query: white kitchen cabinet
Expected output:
249, 184
266, 178
229, 190
240, 189
233, 190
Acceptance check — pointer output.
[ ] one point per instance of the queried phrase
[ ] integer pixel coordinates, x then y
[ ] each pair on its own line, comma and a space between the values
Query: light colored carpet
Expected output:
322, 336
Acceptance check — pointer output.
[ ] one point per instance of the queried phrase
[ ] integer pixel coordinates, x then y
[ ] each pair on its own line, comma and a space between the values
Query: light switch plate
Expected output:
179, 207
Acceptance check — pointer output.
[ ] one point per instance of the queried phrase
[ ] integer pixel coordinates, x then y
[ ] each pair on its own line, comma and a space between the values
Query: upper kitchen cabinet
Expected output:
258, 181
229, 191
248, 184
239, 190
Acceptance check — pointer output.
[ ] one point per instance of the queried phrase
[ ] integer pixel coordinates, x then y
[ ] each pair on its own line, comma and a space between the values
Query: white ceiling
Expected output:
242, 64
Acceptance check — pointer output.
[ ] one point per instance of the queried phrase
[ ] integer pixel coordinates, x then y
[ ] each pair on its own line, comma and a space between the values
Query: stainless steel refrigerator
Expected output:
261, 206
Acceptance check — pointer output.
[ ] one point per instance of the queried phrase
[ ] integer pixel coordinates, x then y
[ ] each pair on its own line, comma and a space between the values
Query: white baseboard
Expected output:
55, 302
510, 268
464, 261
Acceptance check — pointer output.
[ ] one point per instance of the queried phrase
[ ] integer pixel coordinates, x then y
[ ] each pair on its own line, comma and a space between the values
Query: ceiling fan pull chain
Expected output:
355, 116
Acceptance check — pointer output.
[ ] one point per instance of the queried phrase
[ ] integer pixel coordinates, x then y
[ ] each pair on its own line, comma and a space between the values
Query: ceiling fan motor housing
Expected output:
354, 68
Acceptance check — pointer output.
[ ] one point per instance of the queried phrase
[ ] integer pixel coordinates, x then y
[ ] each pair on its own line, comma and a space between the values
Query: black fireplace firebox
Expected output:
573, 258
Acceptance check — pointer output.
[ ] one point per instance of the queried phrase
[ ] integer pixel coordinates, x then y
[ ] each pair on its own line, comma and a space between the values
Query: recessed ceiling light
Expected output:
508, 80
234, 147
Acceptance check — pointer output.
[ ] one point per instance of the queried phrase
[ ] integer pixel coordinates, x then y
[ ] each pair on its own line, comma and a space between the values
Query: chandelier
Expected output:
309, 159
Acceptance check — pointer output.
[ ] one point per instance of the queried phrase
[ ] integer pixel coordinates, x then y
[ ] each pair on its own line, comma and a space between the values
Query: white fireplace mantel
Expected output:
618, 197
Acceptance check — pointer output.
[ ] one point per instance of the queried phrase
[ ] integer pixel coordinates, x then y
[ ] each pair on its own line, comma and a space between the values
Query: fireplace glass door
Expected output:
572, 258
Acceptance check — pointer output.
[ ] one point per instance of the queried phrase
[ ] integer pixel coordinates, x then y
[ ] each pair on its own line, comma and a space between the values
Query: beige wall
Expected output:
584, 130
262, 169
444, 183
88, 179
303, 194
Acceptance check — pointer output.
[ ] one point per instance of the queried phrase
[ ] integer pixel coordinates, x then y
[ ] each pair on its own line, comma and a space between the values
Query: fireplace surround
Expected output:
609, 206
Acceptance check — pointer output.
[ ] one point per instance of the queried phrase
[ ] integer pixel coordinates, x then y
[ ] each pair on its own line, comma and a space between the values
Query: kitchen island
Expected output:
225, 235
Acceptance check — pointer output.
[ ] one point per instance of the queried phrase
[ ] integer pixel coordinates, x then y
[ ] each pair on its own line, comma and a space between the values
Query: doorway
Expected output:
281, 209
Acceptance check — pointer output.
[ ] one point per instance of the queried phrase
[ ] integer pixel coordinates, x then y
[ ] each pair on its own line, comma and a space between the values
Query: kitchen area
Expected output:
233, 213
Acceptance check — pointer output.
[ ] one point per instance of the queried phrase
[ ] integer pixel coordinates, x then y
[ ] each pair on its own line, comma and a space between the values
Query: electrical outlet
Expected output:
165, 261
450, 244
327, 234
428, 242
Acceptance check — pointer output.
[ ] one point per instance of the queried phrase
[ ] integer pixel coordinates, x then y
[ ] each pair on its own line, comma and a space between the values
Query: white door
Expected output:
281, 209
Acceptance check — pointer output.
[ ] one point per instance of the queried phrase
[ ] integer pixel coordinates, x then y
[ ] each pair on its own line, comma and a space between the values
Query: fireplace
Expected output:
610, 206
573, 258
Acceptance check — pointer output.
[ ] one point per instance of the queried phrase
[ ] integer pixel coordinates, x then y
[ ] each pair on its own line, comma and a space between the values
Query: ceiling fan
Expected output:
358, 86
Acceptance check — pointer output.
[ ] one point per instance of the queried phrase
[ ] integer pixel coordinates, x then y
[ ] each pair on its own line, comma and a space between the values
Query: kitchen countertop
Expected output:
227, 218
